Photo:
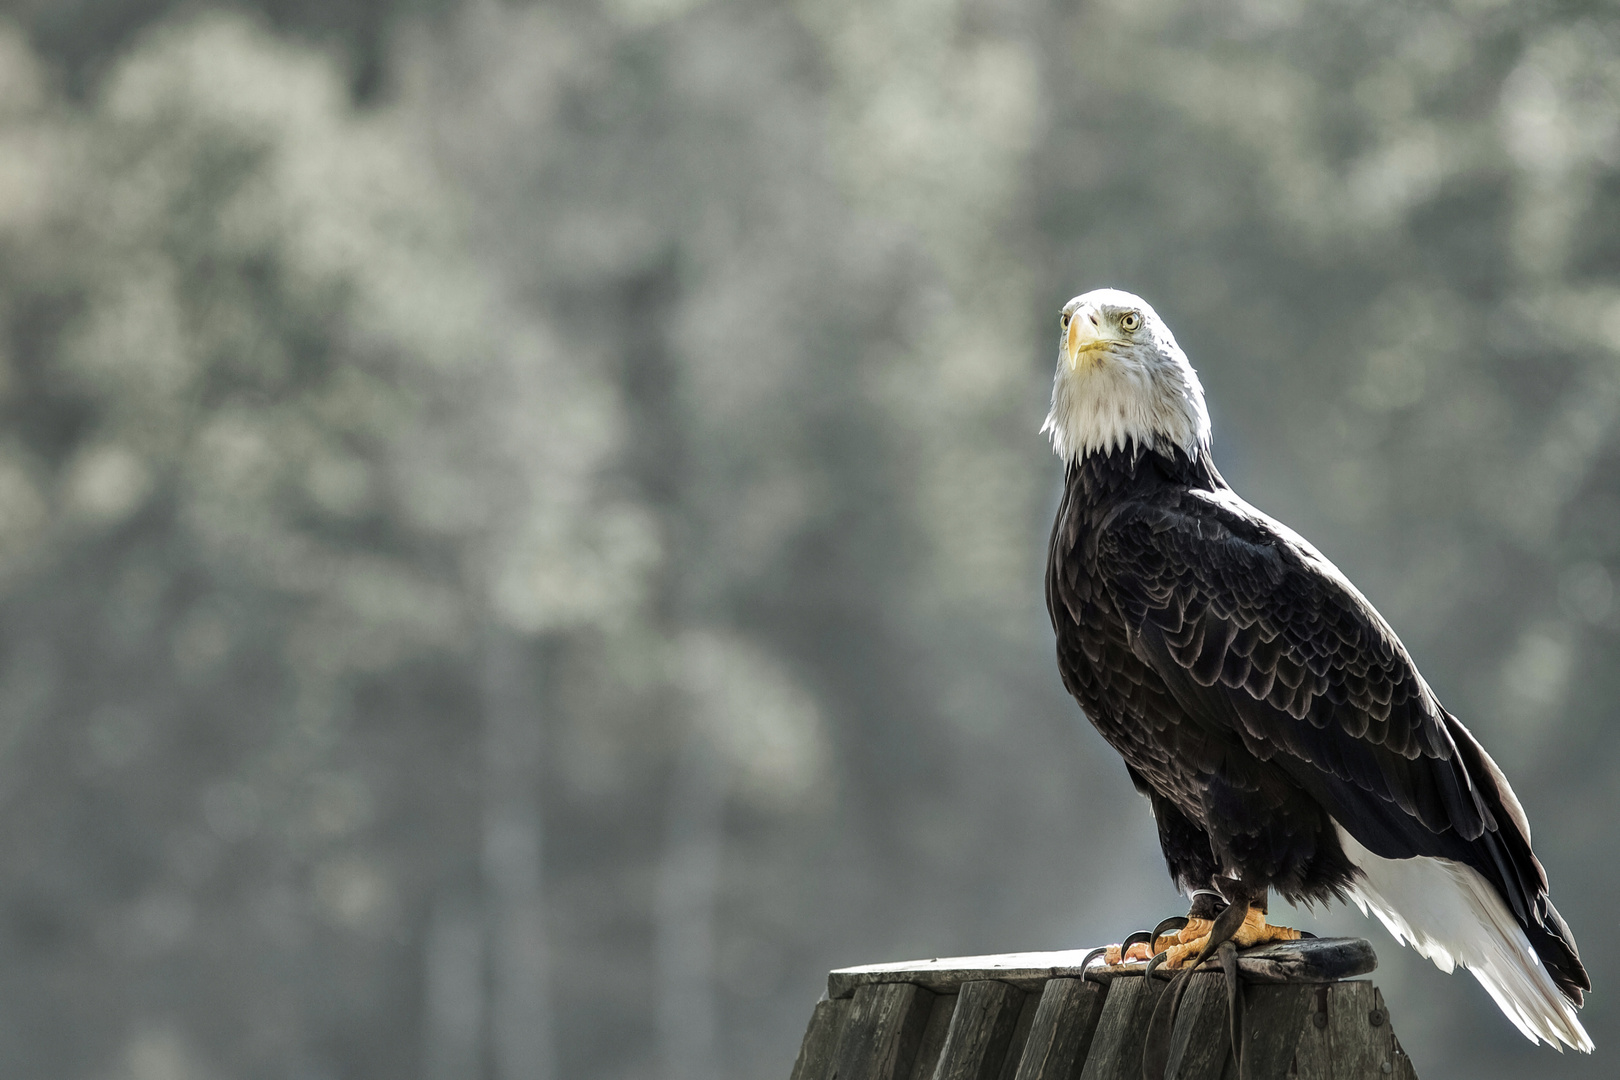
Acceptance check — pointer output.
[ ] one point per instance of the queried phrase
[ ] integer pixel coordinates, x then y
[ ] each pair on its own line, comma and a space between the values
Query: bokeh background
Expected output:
522, 524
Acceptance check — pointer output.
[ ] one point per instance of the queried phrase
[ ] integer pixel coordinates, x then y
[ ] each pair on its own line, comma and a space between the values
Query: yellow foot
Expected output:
1254, 931
1138, 951
1193, 931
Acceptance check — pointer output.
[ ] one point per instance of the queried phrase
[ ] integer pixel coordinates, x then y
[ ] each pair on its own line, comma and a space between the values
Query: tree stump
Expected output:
1042, 1016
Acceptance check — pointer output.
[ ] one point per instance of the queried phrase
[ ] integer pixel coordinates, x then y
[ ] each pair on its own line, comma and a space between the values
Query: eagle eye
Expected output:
1064, 318
1131, 320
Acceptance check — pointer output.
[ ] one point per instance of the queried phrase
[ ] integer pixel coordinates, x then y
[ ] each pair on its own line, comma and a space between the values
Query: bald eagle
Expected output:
1280, 730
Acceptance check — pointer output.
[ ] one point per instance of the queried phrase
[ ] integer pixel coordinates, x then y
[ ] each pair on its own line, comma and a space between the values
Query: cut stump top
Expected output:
1048, 1016
1310, 960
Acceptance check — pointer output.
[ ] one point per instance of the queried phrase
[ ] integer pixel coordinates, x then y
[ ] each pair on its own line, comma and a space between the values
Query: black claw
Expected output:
1140, 935
1234, 1001
1153, 964
1156, 1045
1174, 922
1089, 957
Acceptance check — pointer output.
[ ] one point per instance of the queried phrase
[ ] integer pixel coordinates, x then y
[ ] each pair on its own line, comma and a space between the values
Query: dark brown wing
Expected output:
1256, 632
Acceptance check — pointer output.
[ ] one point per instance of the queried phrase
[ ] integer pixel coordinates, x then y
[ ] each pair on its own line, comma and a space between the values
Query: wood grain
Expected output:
981, 1029
932, 1043
1273, 1020
820, 1040
883, 1032
1042, 1016
1311, 1057
1061, 1032
1201, 1042
1116, 1051
1020, 1036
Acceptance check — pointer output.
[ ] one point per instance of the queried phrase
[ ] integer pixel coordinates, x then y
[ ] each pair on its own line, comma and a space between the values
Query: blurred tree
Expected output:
86, 38
278, 464
850, 517
566, 533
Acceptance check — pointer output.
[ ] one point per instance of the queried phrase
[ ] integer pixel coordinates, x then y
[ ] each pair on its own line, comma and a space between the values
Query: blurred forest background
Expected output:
521, 525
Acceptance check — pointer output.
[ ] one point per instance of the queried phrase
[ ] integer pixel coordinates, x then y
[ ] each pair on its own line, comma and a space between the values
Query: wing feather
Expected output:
1264, 636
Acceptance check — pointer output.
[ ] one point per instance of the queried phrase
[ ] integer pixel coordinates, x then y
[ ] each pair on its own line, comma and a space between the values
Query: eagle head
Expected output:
1122, 382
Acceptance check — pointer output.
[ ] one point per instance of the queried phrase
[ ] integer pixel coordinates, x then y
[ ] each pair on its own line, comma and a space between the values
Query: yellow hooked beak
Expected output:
1084, 337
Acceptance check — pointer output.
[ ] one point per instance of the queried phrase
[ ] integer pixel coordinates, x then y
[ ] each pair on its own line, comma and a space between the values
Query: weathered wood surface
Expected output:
1027, 971
1311, 1060
1311, 960
1201, 1044
820, 1040
1358, 1031
1273, 1018
1061, 1032
1038, 1016
933, 1037
1400, 1064
1020, 1036
883, 1032
1404, 1070
1116, 1050
981, 1031
1348, 1036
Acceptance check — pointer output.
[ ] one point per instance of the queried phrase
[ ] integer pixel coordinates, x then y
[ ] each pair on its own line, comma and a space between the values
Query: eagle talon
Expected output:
1129, 953
1135, 947
1166, 932
1254, 931
1193, 930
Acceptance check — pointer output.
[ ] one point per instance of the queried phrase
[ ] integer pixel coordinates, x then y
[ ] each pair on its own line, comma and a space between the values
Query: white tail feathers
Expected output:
1449, 913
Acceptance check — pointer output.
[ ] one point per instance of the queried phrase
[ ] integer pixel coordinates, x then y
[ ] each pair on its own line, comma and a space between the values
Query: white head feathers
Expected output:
1121, 378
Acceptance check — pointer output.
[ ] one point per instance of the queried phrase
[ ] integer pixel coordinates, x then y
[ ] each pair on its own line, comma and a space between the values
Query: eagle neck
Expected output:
1102, 474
